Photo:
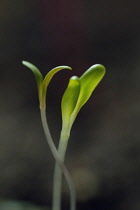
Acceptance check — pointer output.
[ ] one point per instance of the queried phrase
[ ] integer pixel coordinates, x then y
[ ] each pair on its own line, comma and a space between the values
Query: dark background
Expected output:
104, 149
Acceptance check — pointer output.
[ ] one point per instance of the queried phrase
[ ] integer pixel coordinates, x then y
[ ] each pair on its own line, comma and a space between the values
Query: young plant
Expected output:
76, 95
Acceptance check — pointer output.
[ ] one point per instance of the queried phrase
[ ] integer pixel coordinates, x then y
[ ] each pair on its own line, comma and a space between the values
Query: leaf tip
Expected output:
27, 64
65, 67
24, 62
74, 78
100, 67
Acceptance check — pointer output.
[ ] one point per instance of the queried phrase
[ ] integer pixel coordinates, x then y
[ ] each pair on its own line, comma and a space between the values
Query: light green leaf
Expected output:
69, 101
88, 82
51, 73
37, 74
77, 93
48, 78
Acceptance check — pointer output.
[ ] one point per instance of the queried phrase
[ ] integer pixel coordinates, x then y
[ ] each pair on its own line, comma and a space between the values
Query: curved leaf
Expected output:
37, 74
51, 73
48, 78
69, 101
88, 81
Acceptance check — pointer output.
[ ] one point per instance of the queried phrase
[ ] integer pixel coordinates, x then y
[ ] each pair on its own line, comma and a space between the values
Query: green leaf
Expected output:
47, 80
88, 82
51, 73
43, 84
37, 74
69, 101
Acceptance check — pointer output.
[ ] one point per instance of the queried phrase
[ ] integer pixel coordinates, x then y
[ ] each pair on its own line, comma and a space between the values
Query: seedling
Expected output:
75, 96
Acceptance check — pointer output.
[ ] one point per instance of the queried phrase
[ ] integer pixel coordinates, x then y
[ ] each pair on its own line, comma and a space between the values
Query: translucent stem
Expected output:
59, 161
57, 183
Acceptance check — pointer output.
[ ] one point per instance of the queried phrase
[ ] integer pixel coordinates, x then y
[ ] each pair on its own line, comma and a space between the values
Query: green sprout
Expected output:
77, 93
75, 96
42, 84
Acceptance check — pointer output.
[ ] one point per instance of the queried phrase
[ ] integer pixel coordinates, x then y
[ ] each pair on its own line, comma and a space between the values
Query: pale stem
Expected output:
57, 183
59, 162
